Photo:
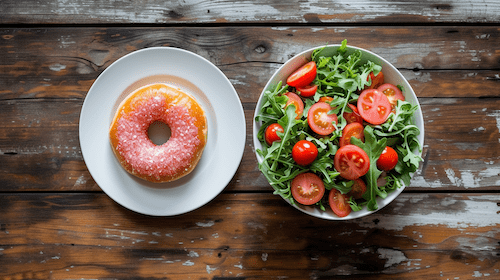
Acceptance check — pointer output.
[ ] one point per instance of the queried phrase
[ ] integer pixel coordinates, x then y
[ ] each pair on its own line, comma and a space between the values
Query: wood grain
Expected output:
249, 12
46, 73
248, 236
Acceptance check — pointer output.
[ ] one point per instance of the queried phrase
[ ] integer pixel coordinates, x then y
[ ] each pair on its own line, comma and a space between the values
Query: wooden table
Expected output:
57, 223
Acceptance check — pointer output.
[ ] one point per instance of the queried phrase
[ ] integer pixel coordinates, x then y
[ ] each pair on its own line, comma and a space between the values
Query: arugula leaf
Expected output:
373, 149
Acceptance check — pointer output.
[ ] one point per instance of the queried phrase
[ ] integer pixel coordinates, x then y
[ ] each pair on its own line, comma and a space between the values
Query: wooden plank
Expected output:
250, 236
39, 146
230, 12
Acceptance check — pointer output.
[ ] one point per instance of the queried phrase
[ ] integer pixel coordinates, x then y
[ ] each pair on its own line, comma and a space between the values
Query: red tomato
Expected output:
308, 91
354, 116
270, 133
388, 159
303, 76
351, 161
352, 130
319, 120
393, 94
307, 188
304, 152
373, 106
376, 80
327, 99
339, 203
358, 189
295, 100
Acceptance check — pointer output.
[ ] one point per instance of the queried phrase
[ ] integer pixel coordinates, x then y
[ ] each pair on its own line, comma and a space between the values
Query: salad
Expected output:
336, 135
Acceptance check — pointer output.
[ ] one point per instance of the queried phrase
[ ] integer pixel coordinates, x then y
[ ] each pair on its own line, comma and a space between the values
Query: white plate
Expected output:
226, 130
391, 75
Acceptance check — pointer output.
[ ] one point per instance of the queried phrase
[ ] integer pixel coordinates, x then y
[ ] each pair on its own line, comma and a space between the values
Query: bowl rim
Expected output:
302, 58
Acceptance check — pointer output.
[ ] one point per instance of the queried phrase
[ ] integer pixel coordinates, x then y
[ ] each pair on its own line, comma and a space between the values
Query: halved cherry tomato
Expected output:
352, 130
302, 76
373, 106
376, 80
304, 152
358, 189
393, 93
351, 162
339, 203
353, 116
307, 188
319, 120
308, 91
270, 134
388, 159
297, 102
326, 99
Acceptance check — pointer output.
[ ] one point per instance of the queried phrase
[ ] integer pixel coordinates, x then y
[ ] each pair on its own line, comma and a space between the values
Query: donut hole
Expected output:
159, 132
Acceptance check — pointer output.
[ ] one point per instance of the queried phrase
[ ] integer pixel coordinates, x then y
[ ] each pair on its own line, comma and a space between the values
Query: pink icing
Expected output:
147, 158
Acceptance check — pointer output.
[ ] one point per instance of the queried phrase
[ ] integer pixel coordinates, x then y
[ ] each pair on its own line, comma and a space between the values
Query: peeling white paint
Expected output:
264, 257
476, 213
188, 263
193, 254
495, 114
205, 224
57, 67
210, 269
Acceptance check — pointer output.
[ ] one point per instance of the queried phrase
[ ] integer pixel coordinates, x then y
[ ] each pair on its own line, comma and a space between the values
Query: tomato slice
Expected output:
319, 120
393, 93
358, 189
302, 76
297, 102
352, 130
307, 188
353, 116
308, 90
388, 159
304, 152
351, 162
376, 80
339, 203
373, 106
271, 133
327, 99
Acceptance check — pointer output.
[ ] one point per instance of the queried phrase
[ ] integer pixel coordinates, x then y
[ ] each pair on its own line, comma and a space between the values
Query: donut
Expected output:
134, 149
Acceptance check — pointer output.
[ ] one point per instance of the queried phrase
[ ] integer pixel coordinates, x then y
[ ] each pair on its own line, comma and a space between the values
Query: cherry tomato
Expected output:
302, 76
308, 91
353, 116
351, 162
376, 80
307, 188
295, 100
339, 203
319, 120
327, 99
358, 189
352, 130
270, 133
393, 94
373, 106
388, 159
304, 152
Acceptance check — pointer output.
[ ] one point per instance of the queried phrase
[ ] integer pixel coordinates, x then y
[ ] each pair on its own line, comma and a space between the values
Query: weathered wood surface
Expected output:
248, 236
56, 223
271, 11
46, 73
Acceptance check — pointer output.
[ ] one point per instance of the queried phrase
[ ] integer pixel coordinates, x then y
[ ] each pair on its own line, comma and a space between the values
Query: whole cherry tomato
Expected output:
388, 159
304, 152
271, 134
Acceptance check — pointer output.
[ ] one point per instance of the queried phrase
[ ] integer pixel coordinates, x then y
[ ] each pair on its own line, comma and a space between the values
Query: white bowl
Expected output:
391, 75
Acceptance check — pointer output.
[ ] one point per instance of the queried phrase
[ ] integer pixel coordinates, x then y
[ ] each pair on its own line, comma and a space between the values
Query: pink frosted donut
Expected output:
138, 154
